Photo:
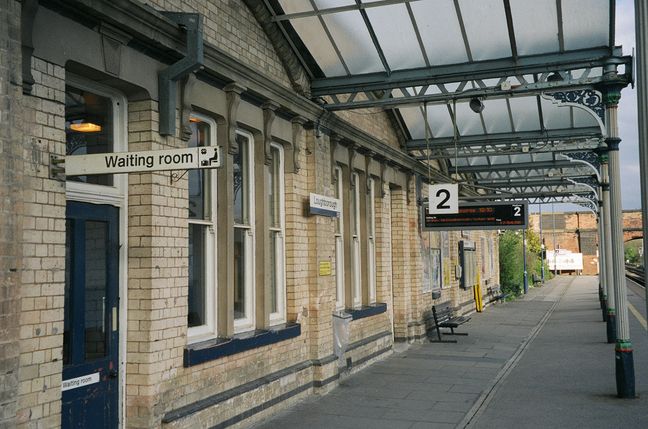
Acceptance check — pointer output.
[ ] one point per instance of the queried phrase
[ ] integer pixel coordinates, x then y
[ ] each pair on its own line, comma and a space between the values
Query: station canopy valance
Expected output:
491, 90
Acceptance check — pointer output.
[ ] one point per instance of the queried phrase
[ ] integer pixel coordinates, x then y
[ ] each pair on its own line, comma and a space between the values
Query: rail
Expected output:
635, 273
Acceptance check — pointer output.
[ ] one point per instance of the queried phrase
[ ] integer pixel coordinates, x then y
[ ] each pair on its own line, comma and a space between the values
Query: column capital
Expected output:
612, 143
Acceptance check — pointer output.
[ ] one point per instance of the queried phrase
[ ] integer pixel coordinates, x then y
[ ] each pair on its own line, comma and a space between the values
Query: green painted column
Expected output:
624, 360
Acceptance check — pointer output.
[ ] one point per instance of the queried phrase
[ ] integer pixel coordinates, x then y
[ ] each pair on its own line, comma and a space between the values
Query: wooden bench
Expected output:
442, 316
496, 294
536, 279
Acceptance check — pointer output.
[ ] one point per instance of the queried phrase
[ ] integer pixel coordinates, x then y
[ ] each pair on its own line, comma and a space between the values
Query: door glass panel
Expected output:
69, 266
197, 280
96, 282
88, 129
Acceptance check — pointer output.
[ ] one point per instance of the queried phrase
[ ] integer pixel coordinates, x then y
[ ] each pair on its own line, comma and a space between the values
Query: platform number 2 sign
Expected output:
444, 198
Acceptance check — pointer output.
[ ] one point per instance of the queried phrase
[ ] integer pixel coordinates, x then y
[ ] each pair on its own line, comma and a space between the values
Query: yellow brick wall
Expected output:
43, 274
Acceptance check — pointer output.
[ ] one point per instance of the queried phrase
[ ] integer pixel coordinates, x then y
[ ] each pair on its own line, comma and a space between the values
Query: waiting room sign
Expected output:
143, 162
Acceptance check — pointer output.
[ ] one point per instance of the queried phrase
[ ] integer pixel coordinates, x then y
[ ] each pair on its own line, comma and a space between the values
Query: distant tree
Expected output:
632, 255
512, 260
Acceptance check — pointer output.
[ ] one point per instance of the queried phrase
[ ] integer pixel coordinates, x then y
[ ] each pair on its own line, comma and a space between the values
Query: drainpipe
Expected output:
169, 77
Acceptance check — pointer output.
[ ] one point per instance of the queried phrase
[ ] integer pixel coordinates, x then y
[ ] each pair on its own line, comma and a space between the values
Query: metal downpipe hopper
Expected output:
169, 77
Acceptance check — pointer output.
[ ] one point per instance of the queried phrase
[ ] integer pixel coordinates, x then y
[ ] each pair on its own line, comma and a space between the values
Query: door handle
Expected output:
113, 373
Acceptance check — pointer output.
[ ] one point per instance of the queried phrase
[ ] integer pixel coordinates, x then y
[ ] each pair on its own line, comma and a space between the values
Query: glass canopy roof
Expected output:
426, 60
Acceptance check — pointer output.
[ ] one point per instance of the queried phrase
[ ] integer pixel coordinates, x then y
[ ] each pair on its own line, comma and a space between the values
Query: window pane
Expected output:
241, 176
96, 282
273, 271
274, 194
338, 195
88, 129
239, 273
372, 208
198, 179
197, 275
354, 206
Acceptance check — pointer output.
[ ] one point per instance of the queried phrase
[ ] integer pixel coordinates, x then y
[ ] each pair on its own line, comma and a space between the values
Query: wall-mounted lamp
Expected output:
554, 77
476, 105
85, 127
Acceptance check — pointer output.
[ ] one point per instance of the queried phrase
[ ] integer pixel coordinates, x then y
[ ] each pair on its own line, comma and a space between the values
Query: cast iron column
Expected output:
623, 351
641, 29
607, 242
600, 219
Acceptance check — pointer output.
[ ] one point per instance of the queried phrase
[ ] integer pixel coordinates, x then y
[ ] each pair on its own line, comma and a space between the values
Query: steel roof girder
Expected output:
522, 196
517, 166
476, 70
513, 149
566, 134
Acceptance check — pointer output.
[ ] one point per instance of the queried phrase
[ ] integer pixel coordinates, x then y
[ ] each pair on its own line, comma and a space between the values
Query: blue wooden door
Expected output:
91, 336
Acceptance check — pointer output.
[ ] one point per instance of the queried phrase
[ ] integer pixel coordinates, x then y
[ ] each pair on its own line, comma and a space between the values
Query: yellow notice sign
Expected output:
325, 268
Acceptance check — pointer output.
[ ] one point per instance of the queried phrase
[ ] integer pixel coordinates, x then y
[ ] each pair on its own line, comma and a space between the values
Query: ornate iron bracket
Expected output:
588, 158
590, 181
587, 98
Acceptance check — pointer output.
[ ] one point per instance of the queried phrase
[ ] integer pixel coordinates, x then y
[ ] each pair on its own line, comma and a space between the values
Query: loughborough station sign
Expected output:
491, 215
143, 162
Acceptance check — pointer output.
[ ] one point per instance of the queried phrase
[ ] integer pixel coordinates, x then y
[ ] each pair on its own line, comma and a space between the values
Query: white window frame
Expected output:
339, 244
248, 323
103, 194
208, 330
371, 240
279, 316
356, 237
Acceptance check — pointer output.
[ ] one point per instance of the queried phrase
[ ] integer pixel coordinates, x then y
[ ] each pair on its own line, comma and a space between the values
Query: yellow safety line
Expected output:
638, 315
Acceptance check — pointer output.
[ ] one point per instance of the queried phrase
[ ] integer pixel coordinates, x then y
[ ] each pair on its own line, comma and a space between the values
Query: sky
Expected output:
628, 130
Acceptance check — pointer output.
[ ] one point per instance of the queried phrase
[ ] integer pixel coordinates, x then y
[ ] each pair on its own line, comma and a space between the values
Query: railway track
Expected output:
636, 274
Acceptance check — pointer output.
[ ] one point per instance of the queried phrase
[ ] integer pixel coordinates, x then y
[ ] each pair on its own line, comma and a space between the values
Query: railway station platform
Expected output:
540, 361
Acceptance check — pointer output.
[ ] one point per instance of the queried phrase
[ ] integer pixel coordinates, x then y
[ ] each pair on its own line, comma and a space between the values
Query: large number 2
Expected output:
517, 211
442, 204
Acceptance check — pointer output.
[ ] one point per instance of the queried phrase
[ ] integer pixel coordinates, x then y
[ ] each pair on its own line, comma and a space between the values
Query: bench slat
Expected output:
443, 318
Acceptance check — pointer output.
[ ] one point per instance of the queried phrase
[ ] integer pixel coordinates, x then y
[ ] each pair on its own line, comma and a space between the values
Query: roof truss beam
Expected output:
566, 134
508, 77
539, 165
524, 196
508, 149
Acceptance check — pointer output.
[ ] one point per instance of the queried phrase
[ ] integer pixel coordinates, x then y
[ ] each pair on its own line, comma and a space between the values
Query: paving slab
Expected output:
538, 361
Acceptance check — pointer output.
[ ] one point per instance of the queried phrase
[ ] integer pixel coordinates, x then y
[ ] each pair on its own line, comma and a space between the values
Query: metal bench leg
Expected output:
441, 340
452, 332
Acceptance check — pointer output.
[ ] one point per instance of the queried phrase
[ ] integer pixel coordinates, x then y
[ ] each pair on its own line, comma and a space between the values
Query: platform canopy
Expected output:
493, 91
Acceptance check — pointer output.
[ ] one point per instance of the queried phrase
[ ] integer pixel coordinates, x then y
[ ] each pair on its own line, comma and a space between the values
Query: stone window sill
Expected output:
205, 351
367, 310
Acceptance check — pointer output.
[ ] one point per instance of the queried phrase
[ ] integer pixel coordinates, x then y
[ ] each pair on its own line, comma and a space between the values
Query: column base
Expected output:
611, 327
604, 312
625, 378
